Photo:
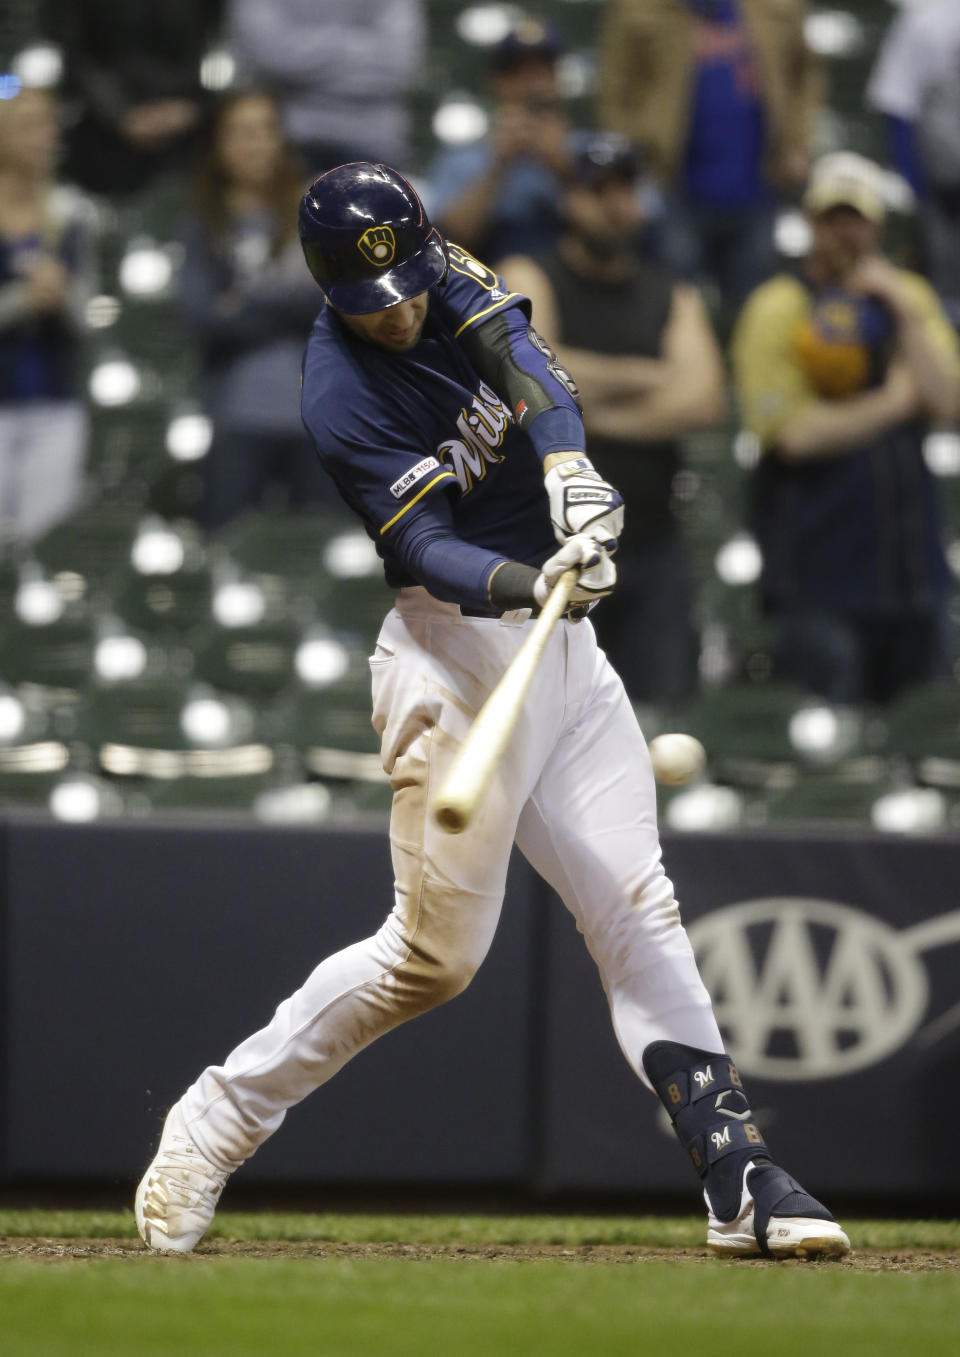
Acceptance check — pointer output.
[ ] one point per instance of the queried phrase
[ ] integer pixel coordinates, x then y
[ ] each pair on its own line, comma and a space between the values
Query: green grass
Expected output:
329, 1308
355, 1307
642, 1231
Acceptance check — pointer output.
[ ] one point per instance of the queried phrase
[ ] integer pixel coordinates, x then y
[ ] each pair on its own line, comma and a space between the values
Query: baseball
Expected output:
676, 758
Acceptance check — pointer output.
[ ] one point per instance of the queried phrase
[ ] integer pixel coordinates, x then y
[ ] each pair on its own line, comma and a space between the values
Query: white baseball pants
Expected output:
574, 789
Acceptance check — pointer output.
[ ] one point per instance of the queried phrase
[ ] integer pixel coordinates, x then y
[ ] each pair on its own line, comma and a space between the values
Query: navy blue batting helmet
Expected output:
367, 238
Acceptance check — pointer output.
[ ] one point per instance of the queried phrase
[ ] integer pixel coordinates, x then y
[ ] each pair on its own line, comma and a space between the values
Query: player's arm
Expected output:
492, 323
777, 401
521, 367
455, 571
690, 394
600, 377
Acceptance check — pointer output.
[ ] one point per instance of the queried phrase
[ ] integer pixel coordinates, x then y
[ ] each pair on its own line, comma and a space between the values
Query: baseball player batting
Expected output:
450, 429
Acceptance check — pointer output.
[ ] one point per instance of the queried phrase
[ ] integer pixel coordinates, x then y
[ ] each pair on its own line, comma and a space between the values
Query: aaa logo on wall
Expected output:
807, 989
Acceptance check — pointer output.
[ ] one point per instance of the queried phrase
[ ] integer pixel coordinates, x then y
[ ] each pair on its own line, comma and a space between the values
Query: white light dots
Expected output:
351, 555
239, 604
320, 660
120, 658
206, 721
114, 382
739, 560
188, 437
145, 271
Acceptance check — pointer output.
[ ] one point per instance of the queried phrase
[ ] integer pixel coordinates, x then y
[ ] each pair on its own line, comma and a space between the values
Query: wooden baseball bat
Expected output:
475, 761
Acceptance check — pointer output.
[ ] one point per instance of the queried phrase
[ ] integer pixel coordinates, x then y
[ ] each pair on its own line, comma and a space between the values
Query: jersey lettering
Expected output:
481, 430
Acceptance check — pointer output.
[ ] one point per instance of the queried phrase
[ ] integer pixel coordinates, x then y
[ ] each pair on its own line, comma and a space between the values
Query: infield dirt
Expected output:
865, 1260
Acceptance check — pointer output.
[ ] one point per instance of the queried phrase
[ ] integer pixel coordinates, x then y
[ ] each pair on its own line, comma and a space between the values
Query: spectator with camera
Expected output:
841, 371
499, 195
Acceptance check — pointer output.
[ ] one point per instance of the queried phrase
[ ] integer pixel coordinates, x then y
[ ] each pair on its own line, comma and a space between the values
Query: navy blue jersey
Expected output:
397, 430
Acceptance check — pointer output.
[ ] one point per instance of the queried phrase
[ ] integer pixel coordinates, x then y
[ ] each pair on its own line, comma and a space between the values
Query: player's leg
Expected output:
447, 903
590, 829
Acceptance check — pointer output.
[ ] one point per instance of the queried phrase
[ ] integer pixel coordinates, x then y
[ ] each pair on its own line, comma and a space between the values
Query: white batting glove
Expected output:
598, 574
581, 501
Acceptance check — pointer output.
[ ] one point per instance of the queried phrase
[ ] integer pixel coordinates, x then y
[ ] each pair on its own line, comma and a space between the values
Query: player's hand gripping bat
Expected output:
476, 760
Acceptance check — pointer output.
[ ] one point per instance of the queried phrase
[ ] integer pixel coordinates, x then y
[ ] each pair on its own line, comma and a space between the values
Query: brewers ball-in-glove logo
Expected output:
378, 245
843, 343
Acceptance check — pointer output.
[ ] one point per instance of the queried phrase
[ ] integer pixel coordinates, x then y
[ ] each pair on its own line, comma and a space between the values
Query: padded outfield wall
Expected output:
132, 955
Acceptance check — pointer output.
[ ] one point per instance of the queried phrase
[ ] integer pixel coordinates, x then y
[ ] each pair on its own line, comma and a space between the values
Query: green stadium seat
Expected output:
256, 660
354, 606
144, 729
26, 789
176, 602
735, 637
33, 736
923, 729
827, 799
761, 735
287, 545
93, 544
332, 730
358, 798
216, 794
56, 656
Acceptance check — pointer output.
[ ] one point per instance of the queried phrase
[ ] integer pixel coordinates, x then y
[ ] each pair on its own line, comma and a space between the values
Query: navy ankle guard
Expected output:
703, 1093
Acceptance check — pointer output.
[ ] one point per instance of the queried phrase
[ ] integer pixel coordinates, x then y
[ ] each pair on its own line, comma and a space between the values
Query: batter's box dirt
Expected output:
57, 1250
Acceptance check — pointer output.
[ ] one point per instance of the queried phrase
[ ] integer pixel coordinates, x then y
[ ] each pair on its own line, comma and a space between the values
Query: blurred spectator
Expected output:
249, 299
341, 70
841, 371
47, 268
641, 350
498, 195
916, 83
133, 74
721, 94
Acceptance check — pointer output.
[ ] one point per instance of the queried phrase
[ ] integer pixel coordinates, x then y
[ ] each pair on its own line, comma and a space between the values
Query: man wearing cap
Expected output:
841, 371
649, 370
498, 195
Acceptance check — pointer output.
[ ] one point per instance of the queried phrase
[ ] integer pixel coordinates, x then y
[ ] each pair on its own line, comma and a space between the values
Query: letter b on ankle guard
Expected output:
704, 1095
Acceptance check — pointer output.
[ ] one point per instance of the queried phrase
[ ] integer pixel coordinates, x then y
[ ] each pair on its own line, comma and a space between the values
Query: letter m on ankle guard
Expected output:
703, 1093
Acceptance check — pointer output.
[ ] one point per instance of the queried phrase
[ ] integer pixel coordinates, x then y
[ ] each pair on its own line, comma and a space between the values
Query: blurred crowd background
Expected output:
739, 222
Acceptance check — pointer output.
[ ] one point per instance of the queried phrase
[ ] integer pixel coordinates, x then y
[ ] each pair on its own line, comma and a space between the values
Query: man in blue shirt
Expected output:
721, 94
453, 432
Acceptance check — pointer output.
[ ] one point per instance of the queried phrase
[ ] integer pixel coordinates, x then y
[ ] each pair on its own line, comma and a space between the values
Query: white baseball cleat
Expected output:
178, 1194
785, 1235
